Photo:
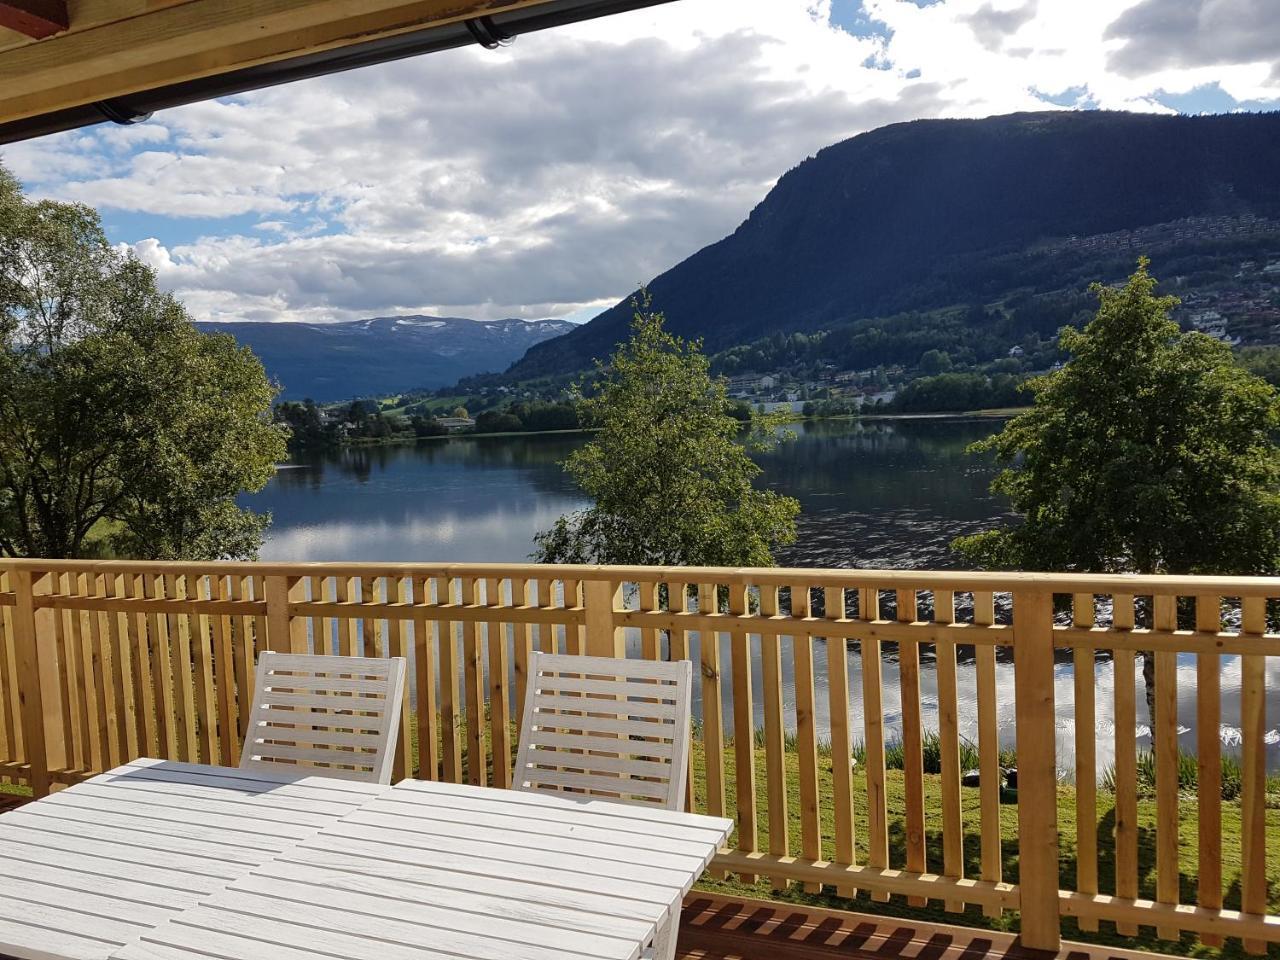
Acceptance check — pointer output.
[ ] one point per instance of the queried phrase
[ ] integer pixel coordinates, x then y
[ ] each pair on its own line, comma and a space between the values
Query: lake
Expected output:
888, 493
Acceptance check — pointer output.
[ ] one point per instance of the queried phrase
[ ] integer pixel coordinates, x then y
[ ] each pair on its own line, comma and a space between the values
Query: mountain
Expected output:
384, 355
935, 213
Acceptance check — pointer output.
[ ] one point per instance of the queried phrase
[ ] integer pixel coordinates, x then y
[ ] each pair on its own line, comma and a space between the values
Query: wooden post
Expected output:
1037, 769
285, 633
30, 702
599, 599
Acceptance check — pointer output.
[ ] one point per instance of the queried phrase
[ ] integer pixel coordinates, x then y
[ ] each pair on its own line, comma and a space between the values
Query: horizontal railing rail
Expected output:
809, 682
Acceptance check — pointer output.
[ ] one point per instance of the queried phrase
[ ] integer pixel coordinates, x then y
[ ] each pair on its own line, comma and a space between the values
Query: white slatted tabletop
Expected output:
88, 869
434, 870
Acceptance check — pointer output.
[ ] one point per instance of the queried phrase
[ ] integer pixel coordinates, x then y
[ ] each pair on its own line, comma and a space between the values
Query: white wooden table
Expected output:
88, 869
440, 870
415, 872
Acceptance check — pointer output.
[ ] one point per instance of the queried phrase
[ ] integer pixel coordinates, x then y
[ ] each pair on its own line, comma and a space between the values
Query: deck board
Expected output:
718, 928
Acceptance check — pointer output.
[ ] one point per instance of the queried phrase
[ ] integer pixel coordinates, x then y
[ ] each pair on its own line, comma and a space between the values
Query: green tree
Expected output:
1149, 451
670, 480
307, 428
122, 428
1262, 361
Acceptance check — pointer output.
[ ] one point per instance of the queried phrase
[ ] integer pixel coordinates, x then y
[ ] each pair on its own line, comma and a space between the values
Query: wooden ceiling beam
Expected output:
36, 19
201, 38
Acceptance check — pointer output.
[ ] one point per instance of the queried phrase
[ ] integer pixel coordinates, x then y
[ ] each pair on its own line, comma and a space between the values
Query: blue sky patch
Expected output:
1210, 98
1076, 97
851, 17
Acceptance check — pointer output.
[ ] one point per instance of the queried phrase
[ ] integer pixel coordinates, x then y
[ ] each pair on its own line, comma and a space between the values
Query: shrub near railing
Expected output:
102, 662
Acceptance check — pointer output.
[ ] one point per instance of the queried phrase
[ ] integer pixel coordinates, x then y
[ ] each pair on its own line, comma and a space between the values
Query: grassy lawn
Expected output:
1188, 850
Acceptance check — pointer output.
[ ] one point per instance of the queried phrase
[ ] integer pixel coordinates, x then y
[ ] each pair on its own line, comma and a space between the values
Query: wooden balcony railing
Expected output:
101, 662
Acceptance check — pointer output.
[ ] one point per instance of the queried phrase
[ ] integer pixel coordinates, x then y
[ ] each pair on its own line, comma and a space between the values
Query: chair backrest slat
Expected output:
614, 729
332, 716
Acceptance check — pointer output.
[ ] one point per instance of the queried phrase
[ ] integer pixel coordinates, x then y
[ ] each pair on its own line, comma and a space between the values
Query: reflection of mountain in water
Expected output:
885, 493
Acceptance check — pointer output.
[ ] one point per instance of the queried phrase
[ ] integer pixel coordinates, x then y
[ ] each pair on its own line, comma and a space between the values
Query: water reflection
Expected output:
873, 494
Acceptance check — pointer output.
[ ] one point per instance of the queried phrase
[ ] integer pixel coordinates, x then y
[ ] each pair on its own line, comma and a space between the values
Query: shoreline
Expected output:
406, 439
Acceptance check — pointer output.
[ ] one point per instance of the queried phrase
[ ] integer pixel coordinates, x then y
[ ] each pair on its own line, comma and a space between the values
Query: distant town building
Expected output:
453, 424
748, 385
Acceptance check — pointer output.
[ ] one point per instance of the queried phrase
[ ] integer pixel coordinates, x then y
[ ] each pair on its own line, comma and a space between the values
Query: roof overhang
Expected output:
70, 63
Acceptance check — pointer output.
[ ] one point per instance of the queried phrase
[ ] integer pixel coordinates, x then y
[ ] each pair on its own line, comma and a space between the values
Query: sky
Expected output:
552, 177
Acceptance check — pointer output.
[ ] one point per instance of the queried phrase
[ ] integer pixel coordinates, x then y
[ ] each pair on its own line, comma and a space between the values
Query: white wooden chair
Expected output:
610, 729
335, 716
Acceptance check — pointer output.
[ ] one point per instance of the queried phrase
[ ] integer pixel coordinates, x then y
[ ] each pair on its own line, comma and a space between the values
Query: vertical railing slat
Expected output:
10, 713
1209, 764
841, 737
184, 675
345, 591
712, 717
27, 677
499, 691
126, 744
647, 597
402, 766
450, 717
161, 670
1253, 813
575, 638
743, 728
678, 602
101, 664
806, 730
206, 690
912, 743
775, 757
368, 628
522, 595
1165, 735
984, 654
1126, 817
424, 664
1086, 733
79, 684
1037, 770
245, 659
224, 669
944, 612
873, 739
473, 681
143, 697
547, 640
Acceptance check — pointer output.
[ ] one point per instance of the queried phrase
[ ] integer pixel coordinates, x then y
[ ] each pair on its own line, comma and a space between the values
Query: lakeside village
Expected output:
801, 374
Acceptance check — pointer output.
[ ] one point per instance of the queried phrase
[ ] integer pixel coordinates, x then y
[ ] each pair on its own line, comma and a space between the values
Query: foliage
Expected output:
365, 420
1262, 362
115, 412
524, 417
424, 426
1188, 774
1150, 451
956, 392
670, 481
307, 427
498, 421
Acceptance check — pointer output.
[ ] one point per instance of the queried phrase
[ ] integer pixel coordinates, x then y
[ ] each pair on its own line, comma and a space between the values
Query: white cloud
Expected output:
555, 175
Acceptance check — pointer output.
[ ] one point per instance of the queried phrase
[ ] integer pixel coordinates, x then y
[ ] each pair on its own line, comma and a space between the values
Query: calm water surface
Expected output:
889, 493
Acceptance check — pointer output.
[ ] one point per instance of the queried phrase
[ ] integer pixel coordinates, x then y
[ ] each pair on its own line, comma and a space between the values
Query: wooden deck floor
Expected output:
714, 928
